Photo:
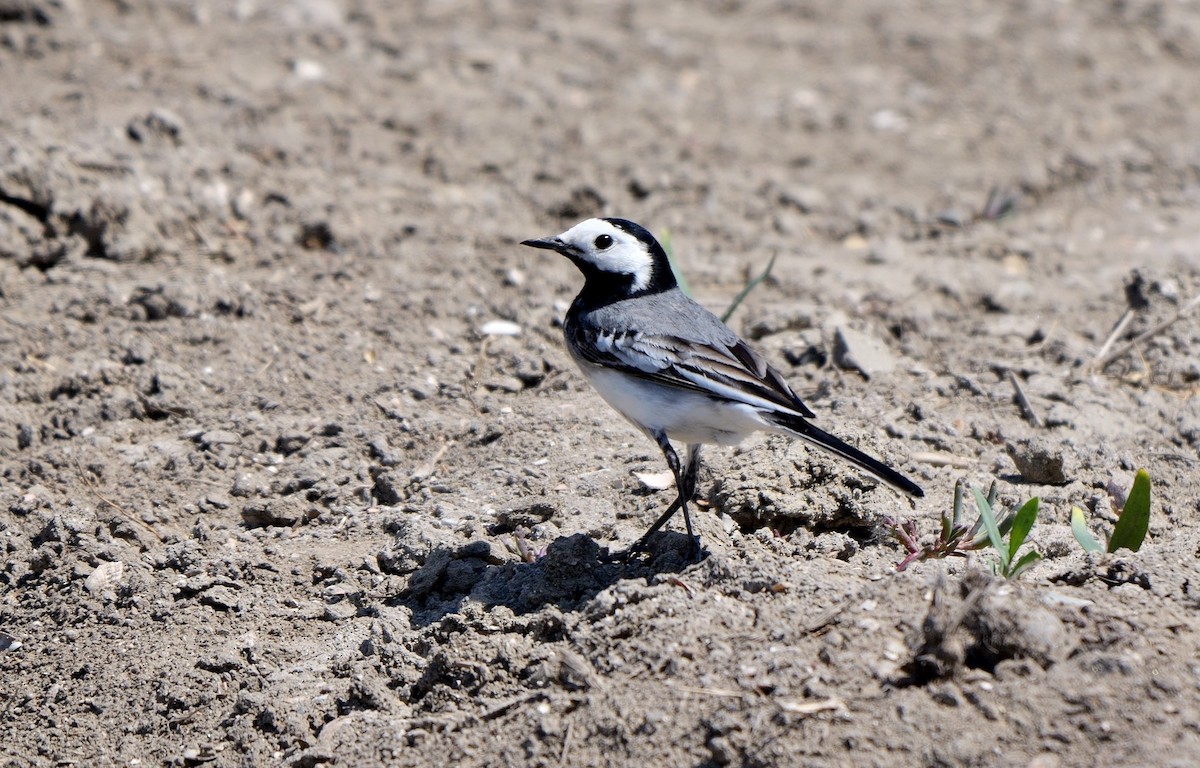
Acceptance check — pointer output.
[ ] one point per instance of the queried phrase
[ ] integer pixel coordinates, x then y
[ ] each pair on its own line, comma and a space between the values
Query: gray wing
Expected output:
710, 359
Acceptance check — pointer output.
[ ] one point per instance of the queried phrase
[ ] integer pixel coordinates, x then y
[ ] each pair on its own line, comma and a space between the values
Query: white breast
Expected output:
685, 416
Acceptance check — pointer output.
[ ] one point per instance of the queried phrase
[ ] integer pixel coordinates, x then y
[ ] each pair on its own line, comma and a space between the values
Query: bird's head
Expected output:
616, 256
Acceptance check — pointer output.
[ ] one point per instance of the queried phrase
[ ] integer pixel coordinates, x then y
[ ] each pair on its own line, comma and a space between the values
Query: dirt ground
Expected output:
296, 470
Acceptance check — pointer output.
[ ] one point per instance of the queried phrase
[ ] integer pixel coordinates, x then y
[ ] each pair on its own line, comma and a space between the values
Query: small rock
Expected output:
316, 236
888, 121
888, 251
524, 516
217, 437
861, 352
951, 217
1039, 461
804, 199
339, 611
509, 384
1010, 296
424, 389
500, 328
216, 501
389, 487
160, 303
320, 468
224, 661
382, 451
290, 442
530, 372
482, 549
279, 513
984, 623
308, 70
807, 348
137, 352
24, 436
246, 485
1008, 626
157, 125
221, 598
576, 672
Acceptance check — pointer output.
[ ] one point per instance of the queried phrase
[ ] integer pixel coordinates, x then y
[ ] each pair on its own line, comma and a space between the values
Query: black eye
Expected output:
603, 241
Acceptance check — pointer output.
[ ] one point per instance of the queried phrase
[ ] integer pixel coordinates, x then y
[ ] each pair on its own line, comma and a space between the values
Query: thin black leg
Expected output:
687, 490
685, 485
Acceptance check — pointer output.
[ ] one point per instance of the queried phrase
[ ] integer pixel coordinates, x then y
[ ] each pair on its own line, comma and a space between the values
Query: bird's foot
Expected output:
625, 556
694, 552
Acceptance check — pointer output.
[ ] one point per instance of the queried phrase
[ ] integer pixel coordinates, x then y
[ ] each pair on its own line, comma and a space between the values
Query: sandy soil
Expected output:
270, 495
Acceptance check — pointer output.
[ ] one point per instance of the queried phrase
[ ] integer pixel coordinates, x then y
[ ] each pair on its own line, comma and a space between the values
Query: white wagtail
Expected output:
670, 366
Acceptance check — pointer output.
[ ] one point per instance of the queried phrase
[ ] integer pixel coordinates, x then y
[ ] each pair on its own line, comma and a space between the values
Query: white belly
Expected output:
683, 415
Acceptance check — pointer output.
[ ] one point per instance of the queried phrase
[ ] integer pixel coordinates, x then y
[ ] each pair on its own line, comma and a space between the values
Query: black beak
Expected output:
547, 243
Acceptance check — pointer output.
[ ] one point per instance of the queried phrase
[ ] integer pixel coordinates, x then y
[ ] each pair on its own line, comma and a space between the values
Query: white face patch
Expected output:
611, 249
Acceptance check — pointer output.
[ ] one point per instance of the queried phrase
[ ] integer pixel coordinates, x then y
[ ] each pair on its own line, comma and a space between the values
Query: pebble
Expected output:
280, 513
500, 328
888, 121
389, 487
217, 437
382, 450
246, 485
509, 384
220, 598
158, 124
859, 351
889, 250
1040, 461
308, 70
290, 442
803, 198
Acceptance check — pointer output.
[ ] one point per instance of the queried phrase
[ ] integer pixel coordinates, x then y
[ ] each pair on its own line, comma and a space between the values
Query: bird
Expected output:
671, 367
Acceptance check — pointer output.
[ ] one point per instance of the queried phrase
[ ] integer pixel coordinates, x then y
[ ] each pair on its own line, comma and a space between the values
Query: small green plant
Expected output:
1007, 563
957, 538
954, 537
751, 284
1132, 524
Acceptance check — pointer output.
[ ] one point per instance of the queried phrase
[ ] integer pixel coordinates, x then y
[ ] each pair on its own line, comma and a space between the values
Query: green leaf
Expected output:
750, 286
989, 522
1005, 524
1026, 517
1081, 533
1026, 561
957, 520
1131, 527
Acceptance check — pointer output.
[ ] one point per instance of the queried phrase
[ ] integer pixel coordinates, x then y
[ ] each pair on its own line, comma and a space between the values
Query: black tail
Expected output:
827, 442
